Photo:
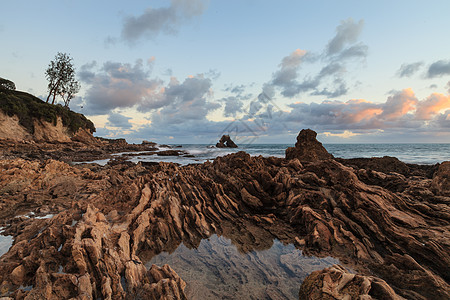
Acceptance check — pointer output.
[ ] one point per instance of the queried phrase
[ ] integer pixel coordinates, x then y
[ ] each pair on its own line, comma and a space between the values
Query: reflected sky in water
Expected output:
218, 270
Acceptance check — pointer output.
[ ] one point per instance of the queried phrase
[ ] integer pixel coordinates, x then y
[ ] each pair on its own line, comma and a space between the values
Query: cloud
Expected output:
287, 80
441, 121
402, 114
165, 20
186, 116
448, 86
118, 85
178, 108
85, 73
401, 111
432, 106
399, 104
334, 115
186, 101
439, 68
357, 51
233, 106
237, 90
346, 33
330, 80
173, 106
188, 132
407, 70
345, 135
339, 89
119, 120
287, 75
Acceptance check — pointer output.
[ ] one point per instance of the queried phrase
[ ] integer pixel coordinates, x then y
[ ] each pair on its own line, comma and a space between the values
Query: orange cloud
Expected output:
399, 104
434, 104
357, 110
294, 59
366, 114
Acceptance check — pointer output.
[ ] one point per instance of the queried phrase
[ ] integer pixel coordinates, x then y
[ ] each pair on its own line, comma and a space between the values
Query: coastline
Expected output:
381, 218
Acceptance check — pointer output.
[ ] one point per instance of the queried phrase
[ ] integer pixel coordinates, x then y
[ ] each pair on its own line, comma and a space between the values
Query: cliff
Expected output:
24, 117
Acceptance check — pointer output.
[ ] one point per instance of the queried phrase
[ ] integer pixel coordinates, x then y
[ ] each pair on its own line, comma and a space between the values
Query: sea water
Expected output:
408, 153
199, 153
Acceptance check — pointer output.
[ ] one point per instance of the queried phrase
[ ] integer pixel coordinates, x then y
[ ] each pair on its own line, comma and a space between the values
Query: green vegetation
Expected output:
61, 78
6, 84
28, 107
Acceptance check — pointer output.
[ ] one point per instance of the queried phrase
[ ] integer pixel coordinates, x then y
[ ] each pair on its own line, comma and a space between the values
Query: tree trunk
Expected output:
53, 91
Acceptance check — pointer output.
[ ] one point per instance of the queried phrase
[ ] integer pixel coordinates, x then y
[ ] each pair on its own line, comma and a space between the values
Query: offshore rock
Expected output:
308, 148
226, 142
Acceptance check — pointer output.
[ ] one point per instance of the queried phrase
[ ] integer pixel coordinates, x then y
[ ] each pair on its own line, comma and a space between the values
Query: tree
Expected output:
61, 78
6, 84
69, 92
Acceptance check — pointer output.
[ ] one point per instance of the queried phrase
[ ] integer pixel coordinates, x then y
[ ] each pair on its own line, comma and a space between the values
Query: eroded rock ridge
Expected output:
109, 220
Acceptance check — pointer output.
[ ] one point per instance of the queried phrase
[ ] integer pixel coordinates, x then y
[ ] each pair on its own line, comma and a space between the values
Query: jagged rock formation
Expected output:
109, 220
337, 283
308, 148
226, 142
441, 180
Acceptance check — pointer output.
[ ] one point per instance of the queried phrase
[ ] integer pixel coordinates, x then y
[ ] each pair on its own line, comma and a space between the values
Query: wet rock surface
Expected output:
110, 220
337, 283
88, 149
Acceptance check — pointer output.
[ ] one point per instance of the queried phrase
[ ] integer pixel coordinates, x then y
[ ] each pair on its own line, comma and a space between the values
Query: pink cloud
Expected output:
399, 105
432, 106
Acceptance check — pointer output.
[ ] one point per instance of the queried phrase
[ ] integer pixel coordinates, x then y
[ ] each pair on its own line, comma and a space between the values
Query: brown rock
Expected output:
307, 148
165, 284
337, 283
18, 275
86, 137
399, 236
441, 180
170, 153
386, 164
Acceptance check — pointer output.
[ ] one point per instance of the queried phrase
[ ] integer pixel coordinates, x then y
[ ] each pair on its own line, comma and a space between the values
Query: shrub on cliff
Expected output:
29, 108
7, 85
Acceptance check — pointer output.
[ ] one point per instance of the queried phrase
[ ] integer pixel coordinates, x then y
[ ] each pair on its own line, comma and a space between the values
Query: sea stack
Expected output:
226, 142
308, 148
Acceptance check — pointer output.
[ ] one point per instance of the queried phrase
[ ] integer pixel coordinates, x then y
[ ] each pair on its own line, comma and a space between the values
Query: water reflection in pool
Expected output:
6, 242
217, 270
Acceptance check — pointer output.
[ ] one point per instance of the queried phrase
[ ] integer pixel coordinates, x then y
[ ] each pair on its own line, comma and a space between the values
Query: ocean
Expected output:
408, 153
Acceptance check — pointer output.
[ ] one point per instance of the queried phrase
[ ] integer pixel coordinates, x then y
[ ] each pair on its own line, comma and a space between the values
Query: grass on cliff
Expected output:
29, 108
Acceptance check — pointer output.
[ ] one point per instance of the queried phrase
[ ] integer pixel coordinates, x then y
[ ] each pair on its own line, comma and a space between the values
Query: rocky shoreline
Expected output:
386, 220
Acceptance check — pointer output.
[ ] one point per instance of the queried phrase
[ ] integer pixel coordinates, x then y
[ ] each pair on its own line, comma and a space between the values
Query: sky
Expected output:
188, 71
